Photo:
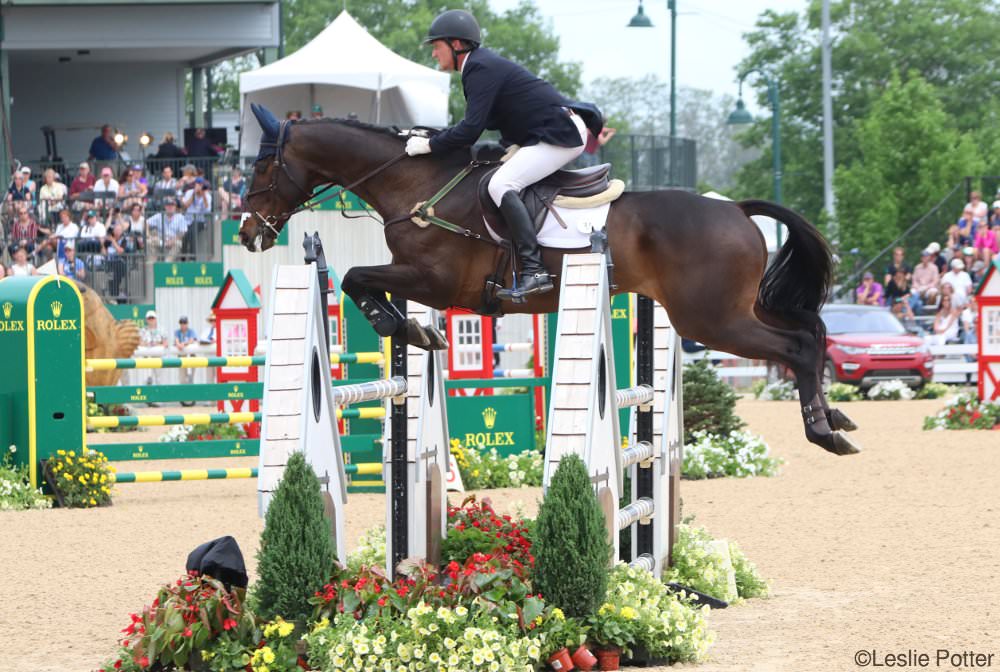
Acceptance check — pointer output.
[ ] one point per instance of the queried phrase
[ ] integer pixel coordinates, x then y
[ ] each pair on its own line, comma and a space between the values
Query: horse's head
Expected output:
277, 187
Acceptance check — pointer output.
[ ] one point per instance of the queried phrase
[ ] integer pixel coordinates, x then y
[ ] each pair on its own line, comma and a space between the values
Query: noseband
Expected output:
273, 222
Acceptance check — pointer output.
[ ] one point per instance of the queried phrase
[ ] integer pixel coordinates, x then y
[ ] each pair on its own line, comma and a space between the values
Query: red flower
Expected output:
143, 662
187, 632
229, 624
118, 664
402, 591
382, 600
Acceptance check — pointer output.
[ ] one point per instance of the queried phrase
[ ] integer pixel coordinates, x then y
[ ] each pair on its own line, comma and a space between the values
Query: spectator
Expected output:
977, 205
66, 230
293, 115
945, 327
317, 112
167, 148
18, 190
231, 191
995, 217
959, 281
168, 227
131, 190
976, 271
209, 337
592, 148
935, 250
28, 182
3, 272
21, 265
23, 232
104, 147
114, 248
198, 203
925, 279
92, 234
188, 175
184, 336
896, 264
201, 146
137, 169
82, 183
106, 189
70, 266
150, 336
967, 320
135, 229
968, 256
964, 231
898, 296
51, 197
986, 243
869, 292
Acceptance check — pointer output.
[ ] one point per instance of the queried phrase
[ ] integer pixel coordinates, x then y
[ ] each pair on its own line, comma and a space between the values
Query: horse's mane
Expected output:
392, 131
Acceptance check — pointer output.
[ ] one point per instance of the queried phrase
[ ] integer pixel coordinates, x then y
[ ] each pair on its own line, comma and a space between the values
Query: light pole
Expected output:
640, 20
741, 116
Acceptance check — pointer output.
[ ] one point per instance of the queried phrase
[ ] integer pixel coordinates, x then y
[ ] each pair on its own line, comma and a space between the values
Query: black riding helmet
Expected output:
455, 24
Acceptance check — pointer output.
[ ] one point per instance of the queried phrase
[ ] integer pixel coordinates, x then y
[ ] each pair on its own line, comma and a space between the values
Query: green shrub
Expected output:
571, 546
709, 402
932, 391
780, 390
296, 553
842, 392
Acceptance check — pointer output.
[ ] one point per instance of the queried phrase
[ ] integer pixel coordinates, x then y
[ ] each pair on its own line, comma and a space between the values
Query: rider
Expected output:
527, 111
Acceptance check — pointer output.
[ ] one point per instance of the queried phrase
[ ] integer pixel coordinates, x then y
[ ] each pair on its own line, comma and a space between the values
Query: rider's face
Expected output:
442, 54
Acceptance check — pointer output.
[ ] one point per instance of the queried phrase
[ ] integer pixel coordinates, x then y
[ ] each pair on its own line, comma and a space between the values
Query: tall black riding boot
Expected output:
534, 279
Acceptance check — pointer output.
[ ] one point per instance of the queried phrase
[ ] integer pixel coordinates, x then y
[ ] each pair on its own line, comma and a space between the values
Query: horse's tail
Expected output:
796, 283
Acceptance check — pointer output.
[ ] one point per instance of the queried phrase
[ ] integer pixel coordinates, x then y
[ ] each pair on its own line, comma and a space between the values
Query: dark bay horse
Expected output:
702, 259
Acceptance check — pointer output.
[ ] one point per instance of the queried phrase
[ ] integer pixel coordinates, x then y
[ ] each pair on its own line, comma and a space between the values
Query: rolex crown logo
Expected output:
204, 269
7, 307
138, 391
173, 269
56, 308
489, 417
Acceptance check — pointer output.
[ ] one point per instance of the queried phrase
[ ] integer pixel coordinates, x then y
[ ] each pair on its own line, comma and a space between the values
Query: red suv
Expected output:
867, 344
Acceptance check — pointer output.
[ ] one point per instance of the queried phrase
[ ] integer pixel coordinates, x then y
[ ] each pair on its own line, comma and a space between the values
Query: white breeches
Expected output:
531, 164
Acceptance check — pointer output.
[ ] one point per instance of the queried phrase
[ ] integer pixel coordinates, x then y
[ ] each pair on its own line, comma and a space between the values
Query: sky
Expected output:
709, 37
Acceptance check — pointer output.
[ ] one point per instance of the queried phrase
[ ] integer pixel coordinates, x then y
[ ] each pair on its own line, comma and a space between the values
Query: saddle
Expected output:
581, 188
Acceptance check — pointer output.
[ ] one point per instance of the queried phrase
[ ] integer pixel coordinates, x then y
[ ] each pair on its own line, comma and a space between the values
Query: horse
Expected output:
704, 260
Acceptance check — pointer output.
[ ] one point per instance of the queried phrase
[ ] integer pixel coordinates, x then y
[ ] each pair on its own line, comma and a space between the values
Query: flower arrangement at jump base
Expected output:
509, 594
82, 480
16, 493
485, 469
965, 412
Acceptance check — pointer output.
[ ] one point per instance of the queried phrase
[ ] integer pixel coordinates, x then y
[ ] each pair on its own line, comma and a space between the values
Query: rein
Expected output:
310, 202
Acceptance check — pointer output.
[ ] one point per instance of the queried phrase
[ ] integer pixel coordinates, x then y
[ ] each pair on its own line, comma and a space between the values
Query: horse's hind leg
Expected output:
799, 350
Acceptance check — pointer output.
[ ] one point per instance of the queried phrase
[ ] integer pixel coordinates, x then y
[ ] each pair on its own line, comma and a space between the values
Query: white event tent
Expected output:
345, 70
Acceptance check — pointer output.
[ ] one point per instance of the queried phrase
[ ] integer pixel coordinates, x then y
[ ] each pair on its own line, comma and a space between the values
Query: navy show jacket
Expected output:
502, 95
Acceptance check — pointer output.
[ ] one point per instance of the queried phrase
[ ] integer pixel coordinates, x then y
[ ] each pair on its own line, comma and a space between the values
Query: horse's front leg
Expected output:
367, 287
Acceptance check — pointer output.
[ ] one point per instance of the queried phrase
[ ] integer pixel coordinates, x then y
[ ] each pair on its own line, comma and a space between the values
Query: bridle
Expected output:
275, 222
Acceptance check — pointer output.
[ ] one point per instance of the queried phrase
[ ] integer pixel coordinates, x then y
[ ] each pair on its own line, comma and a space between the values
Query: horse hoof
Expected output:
437, 339
841, 444
416, 335
839, 420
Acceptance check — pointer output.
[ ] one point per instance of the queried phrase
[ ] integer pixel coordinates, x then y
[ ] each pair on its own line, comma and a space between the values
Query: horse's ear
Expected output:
268, 122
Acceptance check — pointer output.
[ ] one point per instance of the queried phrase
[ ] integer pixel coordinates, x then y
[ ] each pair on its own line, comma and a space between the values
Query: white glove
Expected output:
417, 145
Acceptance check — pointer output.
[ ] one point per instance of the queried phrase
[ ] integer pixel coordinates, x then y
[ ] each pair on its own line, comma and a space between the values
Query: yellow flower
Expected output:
68, 477
60, 452
606, 608
72, 453
82, 480
629, 613
268, 655
93, 502
284, 629
558, 614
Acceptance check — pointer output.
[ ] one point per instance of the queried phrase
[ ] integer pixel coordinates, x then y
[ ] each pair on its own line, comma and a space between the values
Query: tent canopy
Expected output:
345, 70
769, 227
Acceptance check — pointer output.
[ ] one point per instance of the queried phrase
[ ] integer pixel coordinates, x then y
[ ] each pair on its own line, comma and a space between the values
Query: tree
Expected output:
907, 139
948, 43
642, 106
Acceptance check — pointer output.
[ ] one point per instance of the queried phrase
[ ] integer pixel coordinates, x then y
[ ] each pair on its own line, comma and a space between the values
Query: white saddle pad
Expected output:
579, 224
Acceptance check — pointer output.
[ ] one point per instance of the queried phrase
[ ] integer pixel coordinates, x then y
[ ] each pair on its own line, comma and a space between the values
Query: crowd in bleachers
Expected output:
112, 216
936, 297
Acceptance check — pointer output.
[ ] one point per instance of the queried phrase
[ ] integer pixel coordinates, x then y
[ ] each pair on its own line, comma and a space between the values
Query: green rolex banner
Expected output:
187, 274
132, 312
231, 233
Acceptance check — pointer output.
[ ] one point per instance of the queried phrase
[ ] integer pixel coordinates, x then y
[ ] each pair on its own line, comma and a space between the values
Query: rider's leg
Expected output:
527, 166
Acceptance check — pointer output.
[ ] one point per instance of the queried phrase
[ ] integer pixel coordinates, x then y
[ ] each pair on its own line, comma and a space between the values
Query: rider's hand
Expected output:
417, 145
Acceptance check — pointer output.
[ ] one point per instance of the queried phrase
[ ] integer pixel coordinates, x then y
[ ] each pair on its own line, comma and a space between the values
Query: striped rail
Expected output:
111, 421
370, 391
638, 511
367, 468
212, 362
640, 395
